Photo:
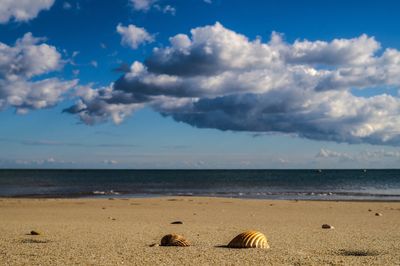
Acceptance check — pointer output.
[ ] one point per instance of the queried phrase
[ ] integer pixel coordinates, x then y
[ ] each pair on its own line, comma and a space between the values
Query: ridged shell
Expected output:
174, 240
249, 239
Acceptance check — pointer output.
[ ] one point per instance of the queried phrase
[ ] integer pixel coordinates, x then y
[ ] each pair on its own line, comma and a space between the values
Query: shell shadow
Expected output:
34, 241
357, 253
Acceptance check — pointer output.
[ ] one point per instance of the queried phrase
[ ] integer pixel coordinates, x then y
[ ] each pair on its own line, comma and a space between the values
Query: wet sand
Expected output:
123, 231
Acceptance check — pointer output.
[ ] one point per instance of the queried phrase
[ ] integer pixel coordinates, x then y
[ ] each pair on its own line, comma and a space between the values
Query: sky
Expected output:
199, 84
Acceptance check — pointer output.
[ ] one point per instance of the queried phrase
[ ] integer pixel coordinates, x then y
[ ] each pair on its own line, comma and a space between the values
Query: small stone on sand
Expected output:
35, 233
378, 214
177, 222
327, 226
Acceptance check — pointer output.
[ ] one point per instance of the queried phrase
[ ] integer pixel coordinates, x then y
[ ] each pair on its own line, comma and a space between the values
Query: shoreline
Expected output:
122, 230
124, 196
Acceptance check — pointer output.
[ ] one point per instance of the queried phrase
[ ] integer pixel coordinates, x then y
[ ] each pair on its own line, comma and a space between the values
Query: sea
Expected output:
312, 184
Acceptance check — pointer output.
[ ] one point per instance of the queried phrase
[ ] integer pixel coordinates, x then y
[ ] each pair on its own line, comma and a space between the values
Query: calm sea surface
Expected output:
267, 184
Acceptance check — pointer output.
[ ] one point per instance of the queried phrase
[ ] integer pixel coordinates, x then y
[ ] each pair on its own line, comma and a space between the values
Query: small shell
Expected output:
174, 240
249, 239
327, 226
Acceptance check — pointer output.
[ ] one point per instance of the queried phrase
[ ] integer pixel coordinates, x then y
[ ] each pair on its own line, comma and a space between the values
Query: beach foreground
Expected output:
123, 231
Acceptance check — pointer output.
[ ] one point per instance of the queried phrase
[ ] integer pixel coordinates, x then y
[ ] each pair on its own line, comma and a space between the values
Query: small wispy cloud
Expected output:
50, 161
146, 5
67, 6
68, 144
166, 9
325, 153
94, 63
110, 162
361, 156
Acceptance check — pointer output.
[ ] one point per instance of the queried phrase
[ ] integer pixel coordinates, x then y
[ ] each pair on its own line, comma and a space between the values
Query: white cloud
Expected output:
169, 10
361, 156
142, 5
134, 36
217, 78
146, 5
325, 153
21, 66
97, 106
22, 10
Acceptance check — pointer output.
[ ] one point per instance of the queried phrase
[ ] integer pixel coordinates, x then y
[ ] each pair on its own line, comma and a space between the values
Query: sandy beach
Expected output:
123, 231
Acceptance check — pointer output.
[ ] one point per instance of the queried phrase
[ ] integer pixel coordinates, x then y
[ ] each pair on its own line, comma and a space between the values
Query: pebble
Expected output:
35, 233
378, 214
327, 226
177, 222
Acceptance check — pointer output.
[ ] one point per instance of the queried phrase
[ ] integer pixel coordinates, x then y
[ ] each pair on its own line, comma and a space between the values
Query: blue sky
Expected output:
257, 84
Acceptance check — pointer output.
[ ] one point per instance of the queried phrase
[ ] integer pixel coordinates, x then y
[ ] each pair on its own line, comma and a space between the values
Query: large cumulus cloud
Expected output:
217, 78
21, 69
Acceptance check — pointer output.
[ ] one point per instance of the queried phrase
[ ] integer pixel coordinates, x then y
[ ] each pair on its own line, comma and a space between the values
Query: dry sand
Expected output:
82, 231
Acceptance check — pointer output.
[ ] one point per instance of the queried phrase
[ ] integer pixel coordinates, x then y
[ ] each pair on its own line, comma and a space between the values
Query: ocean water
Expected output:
266, 184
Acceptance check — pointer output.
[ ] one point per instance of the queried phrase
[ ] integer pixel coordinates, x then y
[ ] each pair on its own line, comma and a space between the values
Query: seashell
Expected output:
249, 239
378, 214
174, 240
327, 226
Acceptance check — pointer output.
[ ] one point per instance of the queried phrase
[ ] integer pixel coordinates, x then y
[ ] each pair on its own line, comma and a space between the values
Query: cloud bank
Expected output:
21, 68
22, 10
217, 78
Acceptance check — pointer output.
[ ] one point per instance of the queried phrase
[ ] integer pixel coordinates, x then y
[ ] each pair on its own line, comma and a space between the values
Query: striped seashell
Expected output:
249, 239
174, 240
